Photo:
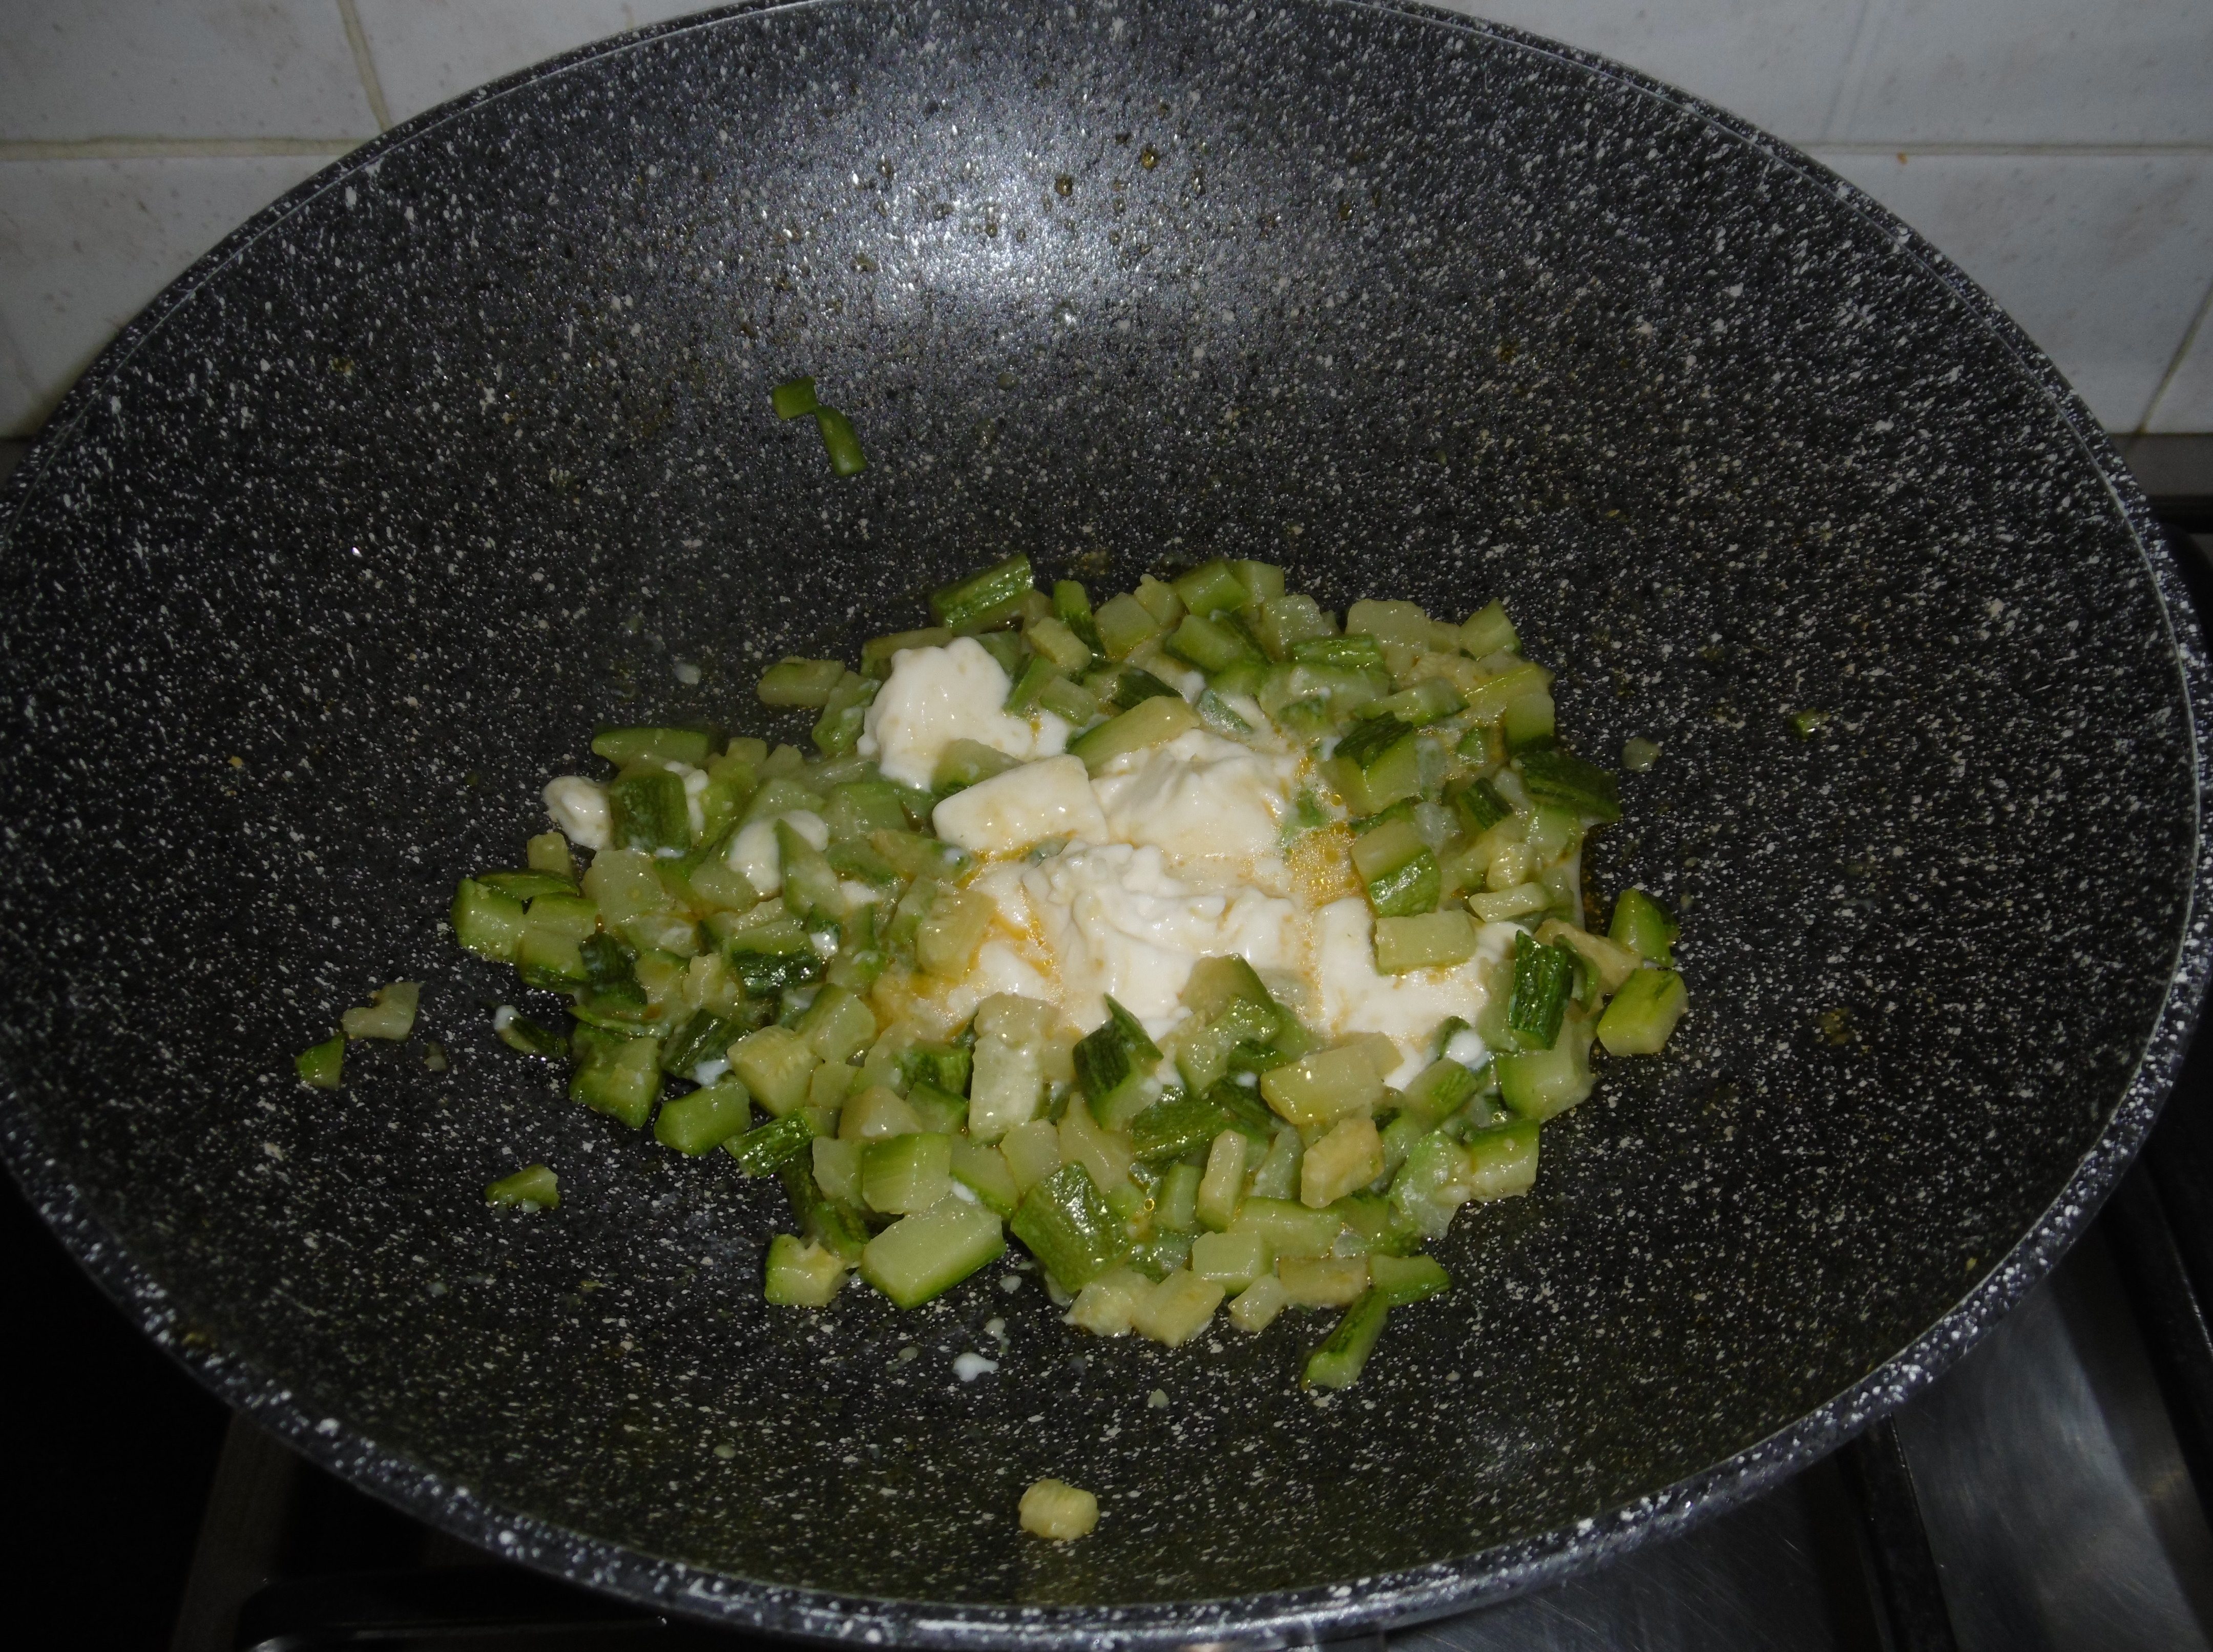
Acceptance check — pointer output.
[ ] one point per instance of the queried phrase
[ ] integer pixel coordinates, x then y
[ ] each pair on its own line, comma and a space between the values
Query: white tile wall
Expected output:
177, 68
2102, 259
2031, 71
1778, 65
2058, 149
85, 245
428, 51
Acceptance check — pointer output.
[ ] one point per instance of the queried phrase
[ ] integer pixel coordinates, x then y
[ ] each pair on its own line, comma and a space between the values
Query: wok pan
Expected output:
465, 446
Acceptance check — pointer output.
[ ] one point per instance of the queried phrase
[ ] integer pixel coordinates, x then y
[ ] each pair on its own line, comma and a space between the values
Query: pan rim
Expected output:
1276, 1617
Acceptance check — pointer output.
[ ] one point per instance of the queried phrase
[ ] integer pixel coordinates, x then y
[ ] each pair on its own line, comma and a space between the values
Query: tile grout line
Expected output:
365, 66
2174, 364
168, 148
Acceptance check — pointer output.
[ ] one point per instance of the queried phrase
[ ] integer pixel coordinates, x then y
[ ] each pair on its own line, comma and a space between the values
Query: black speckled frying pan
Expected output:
466, 445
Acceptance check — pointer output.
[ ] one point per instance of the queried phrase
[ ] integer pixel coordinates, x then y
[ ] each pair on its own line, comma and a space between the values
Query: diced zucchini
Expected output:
1181, 1123
1212, 587
1438, 1091
1212, 645
1430, 700
1398, 868
1290, 1227
624, 746
1553, 776
766, 1151
838, 1025
985, 1173
548, 851
529, 886
1376, 765
1151, 723
1007, 1085
1177, 1310
1338, 1362
844, 713
1350, 1155
837, 1167
877, 653
650, 812
775, 1064
983, 598
1232, 1260
1405, 1279
1071, 605
901, 1175
1054, 642
1643, 1013
322, 1066
1256, 1306
945, 941
1112, 1063
1502, 1161
1488, 631
833, 1223
1544, 976
1640, 923
518, 1032
1319, 1089
388, 1016
1503, 905
704, 1120
486, 922
1058, 1512
1032, 1151
924, 1255
1106, 1305
533, 1188
1222, 1185
1373, 1227
1528, 723
1159, 600
1176, 1206
876, 1112
912, 855
800, 1273
1068, 1226
1323, 1281
1124, 625
1427, 941
939, 1110
1537, 1084
618, 1076
1276, 1175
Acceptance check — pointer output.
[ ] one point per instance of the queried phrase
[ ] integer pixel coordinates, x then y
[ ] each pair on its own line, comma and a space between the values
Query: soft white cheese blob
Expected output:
754, 854
1406, 1008
1010, 812
579, 808
936, 696
1118, 923
1200, 797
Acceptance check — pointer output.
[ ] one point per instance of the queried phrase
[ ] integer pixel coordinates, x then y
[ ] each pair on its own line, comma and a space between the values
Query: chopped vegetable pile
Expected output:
752, 958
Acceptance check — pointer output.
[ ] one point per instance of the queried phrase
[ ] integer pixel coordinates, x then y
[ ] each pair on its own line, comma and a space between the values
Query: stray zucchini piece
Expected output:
840, 441
549, 852
926, 1254
392, 1015
802, 1273
1640, 923
764, 1152
1544, 976
704, 1120
1643, 1013
1058, 1512
533, 1188
793, 681
985, 597
624, 746
322, 1066
1068, 1227
794, 399
1488, 631
518, 1032
1153, 722
1337, 1363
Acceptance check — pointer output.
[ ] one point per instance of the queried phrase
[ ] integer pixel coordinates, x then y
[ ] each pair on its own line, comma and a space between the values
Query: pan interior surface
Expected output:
467, 449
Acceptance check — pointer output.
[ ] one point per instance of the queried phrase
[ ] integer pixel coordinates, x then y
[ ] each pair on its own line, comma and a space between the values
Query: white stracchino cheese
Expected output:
579, 808
1406, 1008
754, 854
1010, 812
936, 696
1200, 797
1117, 923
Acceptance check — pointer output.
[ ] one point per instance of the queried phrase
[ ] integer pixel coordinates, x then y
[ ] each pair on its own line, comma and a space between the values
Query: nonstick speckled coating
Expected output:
465, 446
